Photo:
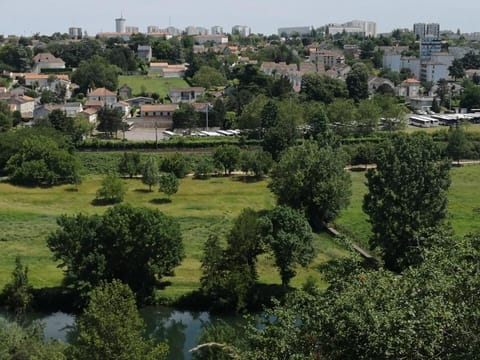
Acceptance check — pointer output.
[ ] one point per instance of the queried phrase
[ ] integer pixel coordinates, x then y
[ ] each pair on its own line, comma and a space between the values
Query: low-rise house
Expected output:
471, 73
144, 52
18, 91
94, 104
157, 67
70, 109
123, 107
291, 71
174, 71
216, 39
102, 94
159, 115
190, 94
24, 104
409, 88
91, 115
199, 49
44, 81
168, 71
328, 58
140, 100
47, 61
125, 92
339, 72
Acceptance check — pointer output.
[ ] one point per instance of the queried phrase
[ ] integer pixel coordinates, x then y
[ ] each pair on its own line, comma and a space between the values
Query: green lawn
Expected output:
150, 84
463, 205
27, 216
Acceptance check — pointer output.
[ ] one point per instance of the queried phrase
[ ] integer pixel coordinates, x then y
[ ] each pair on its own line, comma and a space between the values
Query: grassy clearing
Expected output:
463, 205
151, 84
202, 207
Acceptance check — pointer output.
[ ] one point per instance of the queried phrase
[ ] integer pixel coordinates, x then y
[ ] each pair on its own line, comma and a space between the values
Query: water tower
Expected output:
120, 25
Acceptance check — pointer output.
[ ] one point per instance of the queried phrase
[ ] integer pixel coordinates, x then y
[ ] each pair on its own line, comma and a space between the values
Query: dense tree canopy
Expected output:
288, 234
28, 342
209, 77
471, 97
109, 121
357, 82
150, 173
112, 190
429, 312
135, 245
322, 88
312, 179
111, 327
130, 164
168, 184
16, 58
226, 157
407, 195
96, 72
6, 118
40, 160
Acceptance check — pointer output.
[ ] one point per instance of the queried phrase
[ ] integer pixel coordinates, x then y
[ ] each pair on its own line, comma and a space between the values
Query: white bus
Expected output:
423, 121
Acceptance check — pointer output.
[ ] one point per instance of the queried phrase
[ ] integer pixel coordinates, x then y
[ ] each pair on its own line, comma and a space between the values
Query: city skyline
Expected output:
264, 16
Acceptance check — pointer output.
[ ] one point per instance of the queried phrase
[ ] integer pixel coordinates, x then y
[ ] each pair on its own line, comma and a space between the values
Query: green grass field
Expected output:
151, 84
28, 215
202, 207
463, 205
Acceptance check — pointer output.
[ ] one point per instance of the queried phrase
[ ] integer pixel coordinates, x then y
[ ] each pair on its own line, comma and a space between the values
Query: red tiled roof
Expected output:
159, 107
411, 81
101, 92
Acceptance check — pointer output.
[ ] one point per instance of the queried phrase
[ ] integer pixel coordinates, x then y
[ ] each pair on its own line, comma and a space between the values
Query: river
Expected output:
179, 328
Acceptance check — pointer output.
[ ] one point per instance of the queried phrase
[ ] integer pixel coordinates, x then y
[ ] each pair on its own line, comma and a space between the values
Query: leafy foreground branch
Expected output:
431, 311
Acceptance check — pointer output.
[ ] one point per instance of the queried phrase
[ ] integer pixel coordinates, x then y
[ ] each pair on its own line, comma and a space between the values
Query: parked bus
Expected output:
423, 121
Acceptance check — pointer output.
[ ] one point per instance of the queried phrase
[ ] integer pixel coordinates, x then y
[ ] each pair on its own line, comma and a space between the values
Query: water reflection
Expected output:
180, 329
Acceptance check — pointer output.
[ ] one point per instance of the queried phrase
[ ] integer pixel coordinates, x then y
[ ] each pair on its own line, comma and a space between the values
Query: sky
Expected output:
262, 16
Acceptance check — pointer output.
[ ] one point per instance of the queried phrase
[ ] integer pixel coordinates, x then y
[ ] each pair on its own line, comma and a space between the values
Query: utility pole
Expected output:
207, 114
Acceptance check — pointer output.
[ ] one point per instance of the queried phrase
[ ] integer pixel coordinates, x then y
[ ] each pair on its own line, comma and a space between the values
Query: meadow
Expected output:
463, 205
150, 84
201, 207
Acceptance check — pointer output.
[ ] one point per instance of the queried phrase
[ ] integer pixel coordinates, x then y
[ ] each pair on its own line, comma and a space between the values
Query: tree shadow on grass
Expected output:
248, 179
162, 285
142, 191
103, 202
71, 189
160, 201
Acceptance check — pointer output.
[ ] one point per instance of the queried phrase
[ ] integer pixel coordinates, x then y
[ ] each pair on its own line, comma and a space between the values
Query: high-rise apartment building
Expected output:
360, 27
241, 30
423, 30
289, 31
132, 29
75, 32
217, 30
153, 29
